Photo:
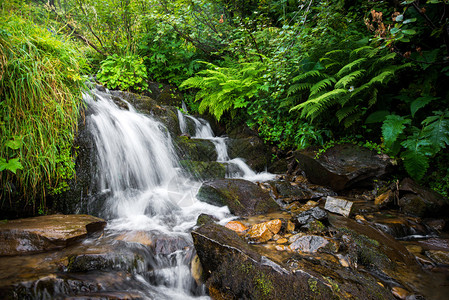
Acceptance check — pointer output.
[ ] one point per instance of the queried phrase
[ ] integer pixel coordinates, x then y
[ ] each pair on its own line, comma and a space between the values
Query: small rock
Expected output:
343, 260
384, 199
263, 232
282, 241
196, 269
309, 243
360, 218
205, 219
438, 256
236, 226
280, 247
437, 224
338, 206
400, 293
314, 227
308, 216
414, 249
310, 204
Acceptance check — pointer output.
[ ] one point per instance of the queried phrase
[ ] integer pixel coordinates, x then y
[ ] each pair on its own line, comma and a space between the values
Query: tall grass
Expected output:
40, 98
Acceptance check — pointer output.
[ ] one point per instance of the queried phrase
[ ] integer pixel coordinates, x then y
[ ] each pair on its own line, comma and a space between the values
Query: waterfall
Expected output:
237, 168
145, 191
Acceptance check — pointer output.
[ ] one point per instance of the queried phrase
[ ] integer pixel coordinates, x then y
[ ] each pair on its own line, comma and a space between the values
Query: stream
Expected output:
147, 192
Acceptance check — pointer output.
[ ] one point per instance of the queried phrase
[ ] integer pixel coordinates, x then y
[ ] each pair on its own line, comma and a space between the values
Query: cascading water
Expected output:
147, 194
239, 169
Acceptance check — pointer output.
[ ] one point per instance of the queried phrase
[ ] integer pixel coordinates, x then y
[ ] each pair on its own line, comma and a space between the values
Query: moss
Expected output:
313, 285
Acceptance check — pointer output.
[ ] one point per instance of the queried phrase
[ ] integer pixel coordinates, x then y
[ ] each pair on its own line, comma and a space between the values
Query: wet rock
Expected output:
420, 201
196, 269
373, 249
338, 206
314, 227
195, 149
294, 192
263, 232
308, 216
252, 149
243, 197
343, 166
205, 219
438, 256
309, 243
31, 235
236, 226
435, 224
399, 226
384, 199
204, 170
165, 94
400, 293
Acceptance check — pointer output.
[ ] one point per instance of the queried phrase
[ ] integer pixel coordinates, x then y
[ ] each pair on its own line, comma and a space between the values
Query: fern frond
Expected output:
345, 111
348, 79
303, 86
392, 127
387, 57
382, 78
321, 85
309, 74
349, 121
436, 129
312, 107
362, 49
350, 66
415, 163
373, 98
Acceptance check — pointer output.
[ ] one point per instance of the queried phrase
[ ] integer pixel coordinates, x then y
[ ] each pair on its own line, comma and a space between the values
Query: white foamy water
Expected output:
238, 169
139, 175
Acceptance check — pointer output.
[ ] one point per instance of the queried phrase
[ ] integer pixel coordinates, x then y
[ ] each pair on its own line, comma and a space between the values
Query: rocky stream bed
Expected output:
330, 227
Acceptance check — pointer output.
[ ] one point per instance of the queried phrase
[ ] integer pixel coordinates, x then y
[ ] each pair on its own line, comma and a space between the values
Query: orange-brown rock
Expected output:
236, 226
263, 232
400, 292
384, 199
32, 235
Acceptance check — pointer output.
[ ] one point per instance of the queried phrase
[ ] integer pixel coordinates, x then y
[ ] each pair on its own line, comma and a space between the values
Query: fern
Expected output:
416, 155
392, 127
436, 129
225, 89
312, 107
321, 85
349, 79
350, 66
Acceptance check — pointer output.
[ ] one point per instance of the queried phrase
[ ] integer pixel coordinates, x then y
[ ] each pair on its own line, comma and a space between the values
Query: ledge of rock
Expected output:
32, 235
234, 269
244, 198
343, 166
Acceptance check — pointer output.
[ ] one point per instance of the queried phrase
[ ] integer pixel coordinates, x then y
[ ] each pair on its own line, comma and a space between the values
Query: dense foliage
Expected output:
40, 92
300, 73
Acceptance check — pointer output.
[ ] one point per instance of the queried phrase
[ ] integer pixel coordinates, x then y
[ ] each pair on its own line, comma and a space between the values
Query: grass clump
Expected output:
40, 101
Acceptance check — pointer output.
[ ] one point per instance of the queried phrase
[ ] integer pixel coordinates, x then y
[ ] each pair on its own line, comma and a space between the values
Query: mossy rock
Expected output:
195, 149
204, 170
244, 198
252, 149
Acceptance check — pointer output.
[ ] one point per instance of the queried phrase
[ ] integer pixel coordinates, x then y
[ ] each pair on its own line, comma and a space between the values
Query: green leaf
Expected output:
415, 163
12, 165
420, 103
409, 21
14, 144
392, 127
409, 31
436, 129
377, 116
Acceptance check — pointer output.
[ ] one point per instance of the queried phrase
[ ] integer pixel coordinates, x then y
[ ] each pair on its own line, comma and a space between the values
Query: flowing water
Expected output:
237, 168
147, 193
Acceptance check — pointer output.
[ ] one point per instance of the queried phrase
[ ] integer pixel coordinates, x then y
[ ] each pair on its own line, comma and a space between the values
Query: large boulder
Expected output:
204, 170
343, 166
32, 235
252, 149
237, 270
243, 197
195, 149
420, 201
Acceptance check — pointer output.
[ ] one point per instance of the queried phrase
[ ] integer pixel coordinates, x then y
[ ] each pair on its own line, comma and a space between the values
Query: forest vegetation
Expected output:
302, 73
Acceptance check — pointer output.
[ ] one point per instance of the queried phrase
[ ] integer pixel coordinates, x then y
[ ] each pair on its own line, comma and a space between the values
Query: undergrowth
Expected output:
40, 92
